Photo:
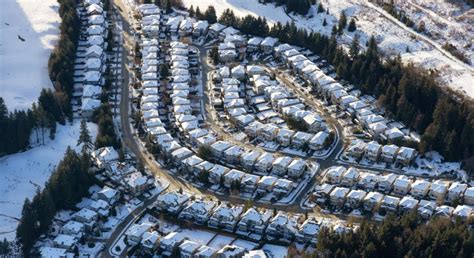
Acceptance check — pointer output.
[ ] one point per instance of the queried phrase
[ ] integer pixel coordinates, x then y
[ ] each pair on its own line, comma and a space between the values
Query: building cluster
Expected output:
90, 63
259, 225
354, 189
375, 152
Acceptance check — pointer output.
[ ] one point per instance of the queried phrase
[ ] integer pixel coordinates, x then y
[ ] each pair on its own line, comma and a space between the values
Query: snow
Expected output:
23, 64
22, 173
220, 241
198, 236
392, 38
275, 250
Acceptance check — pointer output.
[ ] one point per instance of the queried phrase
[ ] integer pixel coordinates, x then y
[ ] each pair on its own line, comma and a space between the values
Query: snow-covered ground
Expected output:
29, 30
21, 173
392, 38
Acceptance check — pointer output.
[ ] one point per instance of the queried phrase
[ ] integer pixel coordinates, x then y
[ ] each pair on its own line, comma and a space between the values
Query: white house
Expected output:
405, 155
198, 211
171, 202
402, 185
420, 188
253, 221
280, 165
233, 176
225, 216
338, 196
354, 198
296, 168
373, 150
283, 225
438, 189
390, 203
216, 173
372, 200
408, 204
350, 177
386, 182
456, 190
389, 153
334, 174
469, 196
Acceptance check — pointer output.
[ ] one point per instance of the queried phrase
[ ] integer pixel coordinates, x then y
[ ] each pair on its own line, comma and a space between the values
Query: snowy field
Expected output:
392, 38
21, 173
29, 31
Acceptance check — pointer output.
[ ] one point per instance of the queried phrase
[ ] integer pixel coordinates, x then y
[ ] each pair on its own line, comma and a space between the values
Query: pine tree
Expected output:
199, 15
355, 48
342, 23
84, 136
191, 11
320, 8
210, 15
352, 25
325, 22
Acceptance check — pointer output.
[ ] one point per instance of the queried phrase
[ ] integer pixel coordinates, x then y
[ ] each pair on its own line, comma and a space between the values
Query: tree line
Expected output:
16, 127
293, 6
406, 92
61, 61
68, 183
404, 237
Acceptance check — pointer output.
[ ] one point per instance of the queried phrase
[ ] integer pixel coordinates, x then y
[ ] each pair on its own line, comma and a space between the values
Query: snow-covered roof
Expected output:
269, 41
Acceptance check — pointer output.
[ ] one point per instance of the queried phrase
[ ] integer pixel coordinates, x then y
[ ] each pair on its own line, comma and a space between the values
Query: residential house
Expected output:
308, 231
338, 196
372, 200
265, 184
282, 187
350, 177
368, 181
373, 150
405, 156
469, 196
334, 174
169, 242
319, 141
464, 212
420, 188
438, 190
249, 159
301, 139
355, 198
232, 177
150, 241
264, 162
296, 168
249, 182
284, 136
402, 185
231, 251
444, 211
455, 191
172, 202
135, 233
386, 182
225, 216
283, 226
254, 222
198, 211
389, 152
188, 248
390, 203
216, 174
426, 208
280, 165
356, 149
408, 204
65, 241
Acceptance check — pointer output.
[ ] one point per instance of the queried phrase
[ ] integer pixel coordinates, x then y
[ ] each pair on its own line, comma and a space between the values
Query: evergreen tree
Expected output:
191, 11
210, 15
214, 55
325, 22
354, 49
199, 15
84, 136
320, 8
352, 25
342, 23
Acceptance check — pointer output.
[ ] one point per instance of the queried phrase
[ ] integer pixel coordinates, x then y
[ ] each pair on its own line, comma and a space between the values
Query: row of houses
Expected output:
373, 151
343, 197
90, 64
254, 223
400, 185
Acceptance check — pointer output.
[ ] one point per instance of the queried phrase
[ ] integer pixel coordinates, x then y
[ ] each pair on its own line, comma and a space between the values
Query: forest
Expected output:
68, 183
407, 236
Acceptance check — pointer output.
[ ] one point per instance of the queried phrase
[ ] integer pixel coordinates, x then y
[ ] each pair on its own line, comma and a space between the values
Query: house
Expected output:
171, 202
373, 150
350, 177
284, 136
47, 251
216, 174
254, 221
334, 174
338, 196
308, 231
321, 192
169, 242
204, 166
86, 216
269, 131
438, 190
283, 225
181, 154
188, 248
254, 129
444, 211
390, 203
282, 187
356, 149
190, 164
206, 252
238, 72
253, 44
73, 228
264, 162
386, 182
296, 168
420, 188
231, 251
405, 156
109, 195
368, 181
280, 165
248, 184
215, 29
372, 200
280, 49
225, 216
88, 106
254, 70
232, 177
426, 208
355, 198
463, 211
135, 233
232, 154
456, 190
248, 159
408, 204
301, 139
265, 184
469, 196
136, 183
389, 152
268, 44
319, 141
65, 241
219, 147
198, 211
150, 241
402, 185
